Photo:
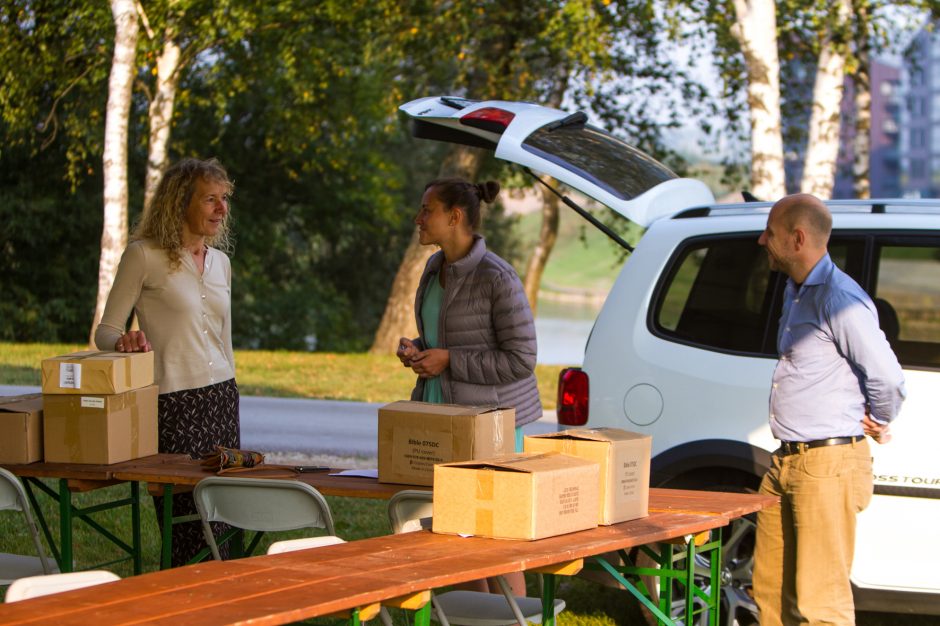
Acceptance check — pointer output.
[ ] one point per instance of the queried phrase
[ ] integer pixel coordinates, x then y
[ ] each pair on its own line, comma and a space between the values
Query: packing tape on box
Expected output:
497, 430
135, 431
483, 524
73, 438
485, 480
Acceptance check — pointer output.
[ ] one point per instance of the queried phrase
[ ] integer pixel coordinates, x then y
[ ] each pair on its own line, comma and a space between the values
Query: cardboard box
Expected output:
21, 428
624, 460
519, 496
101, 429
93, 372
414, 436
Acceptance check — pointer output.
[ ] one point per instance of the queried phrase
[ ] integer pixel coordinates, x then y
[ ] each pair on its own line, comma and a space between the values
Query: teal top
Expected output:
431, 314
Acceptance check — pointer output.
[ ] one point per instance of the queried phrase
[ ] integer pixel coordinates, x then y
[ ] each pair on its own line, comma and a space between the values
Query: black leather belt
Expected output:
796, 447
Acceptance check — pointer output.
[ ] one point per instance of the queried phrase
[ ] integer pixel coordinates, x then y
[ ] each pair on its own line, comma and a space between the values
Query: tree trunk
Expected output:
756, 32
822, 151
399, 317
548, 234
861, 146
161, 112
114, 232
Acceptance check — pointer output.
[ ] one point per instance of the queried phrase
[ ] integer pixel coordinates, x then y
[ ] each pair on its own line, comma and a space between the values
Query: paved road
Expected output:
311, 426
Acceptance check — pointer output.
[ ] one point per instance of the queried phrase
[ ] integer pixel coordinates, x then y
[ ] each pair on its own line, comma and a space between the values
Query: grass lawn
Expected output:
355, 377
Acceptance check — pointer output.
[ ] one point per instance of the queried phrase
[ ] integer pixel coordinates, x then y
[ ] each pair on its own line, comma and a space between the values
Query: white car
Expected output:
684, 346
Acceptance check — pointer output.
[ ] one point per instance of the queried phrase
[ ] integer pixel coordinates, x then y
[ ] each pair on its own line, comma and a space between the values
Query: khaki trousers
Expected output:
805, 546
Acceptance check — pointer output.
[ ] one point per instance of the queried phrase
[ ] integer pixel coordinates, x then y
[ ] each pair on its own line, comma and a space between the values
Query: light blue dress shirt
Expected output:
834, 360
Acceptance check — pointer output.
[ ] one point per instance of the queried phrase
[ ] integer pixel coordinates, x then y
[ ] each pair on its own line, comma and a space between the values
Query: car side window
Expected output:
720, 294
907, 295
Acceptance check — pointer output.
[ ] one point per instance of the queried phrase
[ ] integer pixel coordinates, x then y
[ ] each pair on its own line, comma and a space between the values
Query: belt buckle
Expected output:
791, 447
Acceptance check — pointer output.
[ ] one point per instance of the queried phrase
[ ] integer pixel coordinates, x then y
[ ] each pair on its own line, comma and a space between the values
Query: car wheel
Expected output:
737, 555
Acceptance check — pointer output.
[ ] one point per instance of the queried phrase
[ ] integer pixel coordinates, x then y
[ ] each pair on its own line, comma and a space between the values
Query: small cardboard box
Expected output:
624, 460
101, 429
518, 496
414, 436
21, 428
93, 372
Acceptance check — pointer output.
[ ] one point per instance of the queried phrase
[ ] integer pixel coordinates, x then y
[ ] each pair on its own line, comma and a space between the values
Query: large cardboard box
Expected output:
519, 496
414, 436
21, 428
100, 429
624, 460
93, 372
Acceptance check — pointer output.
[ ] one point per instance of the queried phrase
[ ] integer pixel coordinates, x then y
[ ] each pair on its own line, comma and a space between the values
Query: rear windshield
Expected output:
608, 162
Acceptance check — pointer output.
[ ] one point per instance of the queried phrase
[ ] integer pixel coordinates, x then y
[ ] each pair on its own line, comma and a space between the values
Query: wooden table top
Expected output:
182, 471
287, 587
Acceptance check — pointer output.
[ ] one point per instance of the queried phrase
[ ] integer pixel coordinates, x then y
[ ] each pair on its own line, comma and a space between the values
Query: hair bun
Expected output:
488, 190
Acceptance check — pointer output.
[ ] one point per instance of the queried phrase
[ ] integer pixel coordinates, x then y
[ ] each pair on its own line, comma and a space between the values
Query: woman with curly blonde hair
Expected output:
176, 277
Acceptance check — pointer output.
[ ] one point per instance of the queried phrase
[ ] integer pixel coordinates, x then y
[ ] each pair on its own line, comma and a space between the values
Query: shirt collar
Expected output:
817, 276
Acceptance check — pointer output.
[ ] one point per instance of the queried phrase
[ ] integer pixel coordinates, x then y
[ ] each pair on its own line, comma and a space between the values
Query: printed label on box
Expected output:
70, 375
568, 501
418, 450
92, 403
628, 474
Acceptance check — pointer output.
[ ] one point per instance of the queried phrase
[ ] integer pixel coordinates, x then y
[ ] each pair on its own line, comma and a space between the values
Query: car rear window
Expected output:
610, 163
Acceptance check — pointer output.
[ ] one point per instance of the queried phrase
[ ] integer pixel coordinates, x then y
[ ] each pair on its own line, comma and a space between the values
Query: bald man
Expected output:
836, 381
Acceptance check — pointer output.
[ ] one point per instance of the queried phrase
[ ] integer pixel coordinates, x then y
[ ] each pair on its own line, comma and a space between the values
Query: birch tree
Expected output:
755, 30
822, 150
160, 112
123, 69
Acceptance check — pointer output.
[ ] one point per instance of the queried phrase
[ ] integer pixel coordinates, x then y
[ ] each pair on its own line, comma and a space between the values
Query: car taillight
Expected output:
488, 118
573, 394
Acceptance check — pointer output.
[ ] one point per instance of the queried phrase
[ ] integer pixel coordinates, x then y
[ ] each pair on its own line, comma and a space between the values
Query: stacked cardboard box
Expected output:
521, 496
416, 436
99, 407
624, 461
21, 429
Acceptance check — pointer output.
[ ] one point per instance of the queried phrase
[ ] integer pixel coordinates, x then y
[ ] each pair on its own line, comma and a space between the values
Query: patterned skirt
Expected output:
194, 422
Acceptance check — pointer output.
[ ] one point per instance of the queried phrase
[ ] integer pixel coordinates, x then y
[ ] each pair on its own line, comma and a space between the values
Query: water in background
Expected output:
562, 328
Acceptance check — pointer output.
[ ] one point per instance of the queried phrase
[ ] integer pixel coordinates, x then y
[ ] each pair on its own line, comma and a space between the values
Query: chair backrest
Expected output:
260, 504
36, 586
304, 543
410, 510
13, 498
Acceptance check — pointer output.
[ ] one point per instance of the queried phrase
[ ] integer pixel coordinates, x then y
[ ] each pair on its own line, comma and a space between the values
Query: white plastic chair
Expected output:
411, 510
260, 505
14, 566
304, 543
36, 586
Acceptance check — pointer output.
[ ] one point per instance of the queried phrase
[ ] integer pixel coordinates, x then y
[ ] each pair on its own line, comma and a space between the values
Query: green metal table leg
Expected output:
166, 551
354, 617
136, 540
689, 581
666, 552
548, 599
67, 562
423, 615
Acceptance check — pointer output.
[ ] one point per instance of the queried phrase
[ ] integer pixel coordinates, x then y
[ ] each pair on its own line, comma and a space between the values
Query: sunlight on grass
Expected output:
327, 376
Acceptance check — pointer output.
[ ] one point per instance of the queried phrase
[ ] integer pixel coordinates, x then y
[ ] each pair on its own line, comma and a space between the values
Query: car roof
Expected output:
925, 206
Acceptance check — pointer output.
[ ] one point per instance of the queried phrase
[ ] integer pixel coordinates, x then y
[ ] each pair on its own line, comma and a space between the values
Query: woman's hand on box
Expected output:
133, 341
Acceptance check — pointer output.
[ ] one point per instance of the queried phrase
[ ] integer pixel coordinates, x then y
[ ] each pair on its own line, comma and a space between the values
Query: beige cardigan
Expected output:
187, 317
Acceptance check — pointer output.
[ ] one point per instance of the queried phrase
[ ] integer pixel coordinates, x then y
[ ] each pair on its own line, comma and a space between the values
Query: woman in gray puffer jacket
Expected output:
476, 341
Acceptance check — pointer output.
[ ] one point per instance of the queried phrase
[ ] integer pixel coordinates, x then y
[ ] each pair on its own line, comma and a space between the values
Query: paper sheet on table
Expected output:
364, 473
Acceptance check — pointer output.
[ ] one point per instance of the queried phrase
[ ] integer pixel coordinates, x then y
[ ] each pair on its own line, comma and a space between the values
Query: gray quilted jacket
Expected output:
487, 326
